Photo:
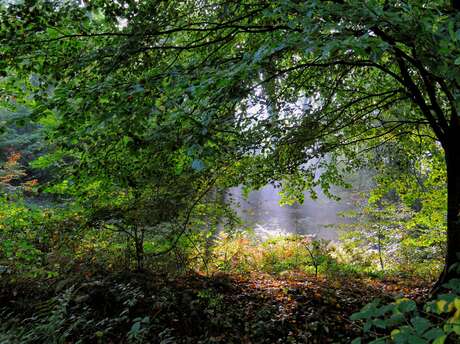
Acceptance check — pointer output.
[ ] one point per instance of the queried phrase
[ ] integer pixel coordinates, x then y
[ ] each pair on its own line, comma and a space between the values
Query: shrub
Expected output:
242, 253
402, 321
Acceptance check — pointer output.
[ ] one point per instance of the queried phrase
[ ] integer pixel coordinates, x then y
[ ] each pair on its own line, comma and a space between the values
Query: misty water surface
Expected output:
262, 212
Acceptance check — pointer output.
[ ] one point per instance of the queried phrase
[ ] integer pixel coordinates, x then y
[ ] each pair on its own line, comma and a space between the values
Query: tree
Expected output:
274, 89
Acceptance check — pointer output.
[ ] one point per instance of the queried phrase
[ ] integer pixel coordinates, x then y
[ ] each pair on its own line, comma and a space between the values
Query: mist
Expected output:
262, 212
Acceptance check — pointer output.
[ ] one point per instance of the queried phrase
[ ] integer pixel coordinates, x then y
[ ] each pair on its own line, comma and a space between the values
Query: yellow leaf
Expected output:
457, 302
394, 333
440, 340
456, 316
444, 306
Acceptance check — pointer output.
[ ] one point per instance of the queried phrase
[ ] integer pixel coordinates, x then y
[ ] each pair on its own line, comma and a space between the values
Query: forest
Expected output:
229, 171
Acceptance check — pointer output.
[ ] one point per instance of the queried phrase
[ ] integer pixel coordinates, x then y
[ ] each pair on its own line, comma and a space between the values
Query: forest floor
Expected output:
151, 308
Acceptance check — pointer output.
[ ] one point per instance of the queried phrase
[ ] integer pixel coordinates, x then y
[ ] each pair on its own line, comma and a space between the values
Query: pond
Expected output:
261, 212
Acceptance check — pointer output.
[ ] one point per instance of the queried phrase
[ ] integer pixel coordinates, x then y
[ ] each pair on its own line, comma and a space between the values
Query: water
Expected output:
261, 211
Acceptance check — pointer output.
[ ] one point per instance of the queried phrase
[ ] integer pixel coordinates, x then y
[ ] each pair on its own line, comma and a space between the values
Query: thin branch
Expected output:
187, 218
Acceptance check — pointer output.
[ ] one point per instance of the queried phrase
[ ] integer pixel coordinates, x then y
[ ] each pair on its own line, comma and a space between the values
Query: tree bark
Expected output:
452, 260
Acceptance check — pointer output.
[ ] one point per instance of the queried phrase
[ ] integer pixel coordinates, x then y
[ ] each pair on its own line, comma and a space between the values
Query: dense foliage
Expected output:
124, 123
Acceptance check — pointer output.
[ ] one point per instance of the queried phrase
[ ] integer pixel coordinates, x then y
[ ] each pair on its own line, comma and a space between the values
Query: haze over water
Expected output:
262, 212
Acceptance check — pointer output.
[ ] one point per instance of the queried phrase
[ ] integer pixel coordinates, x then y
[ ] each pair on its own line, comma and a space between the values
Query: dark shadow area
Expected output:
150, 308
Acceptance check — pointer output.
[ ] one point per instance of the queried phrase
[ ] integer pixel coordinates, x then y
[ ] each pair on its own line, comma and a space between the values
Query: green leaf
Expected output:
406, 305
380, 323
417, 340
433, 333
127, 140
397, 318
420, 324
135, 328
367, 326
453, 284
440, 340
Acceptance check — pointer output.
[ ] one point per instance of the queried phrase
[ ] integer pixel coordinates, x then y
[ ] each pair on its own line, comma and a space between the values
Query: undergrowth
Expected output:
278, 255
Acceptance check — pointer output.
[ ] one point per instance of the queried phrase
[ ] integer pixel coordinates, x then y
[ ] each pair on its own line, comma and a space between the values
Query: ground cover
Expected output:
151, 308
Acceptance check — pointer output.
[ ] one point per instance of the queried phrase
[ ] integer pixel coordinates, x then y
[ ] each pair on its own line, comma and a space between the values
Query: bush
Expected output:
241, 253
403, 321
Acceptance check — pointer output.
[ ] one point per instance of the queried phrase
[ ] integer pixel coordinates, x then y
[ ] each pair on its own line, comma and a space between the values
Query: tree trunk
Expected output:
380, 252
452, 155
139, 248
139, 256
